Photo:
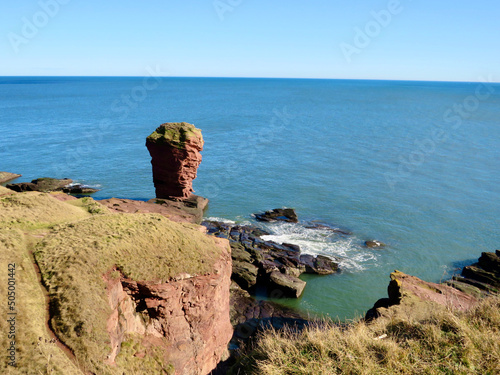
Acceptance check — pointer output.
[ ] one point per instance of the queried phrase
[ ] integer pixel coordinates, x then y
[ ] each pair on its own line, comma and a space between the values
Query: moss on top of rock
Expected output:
175, 134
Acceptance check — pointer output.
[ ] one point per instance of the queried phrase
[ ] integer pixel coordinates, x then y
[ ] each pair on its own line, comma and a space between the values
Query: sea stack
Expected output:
175, 156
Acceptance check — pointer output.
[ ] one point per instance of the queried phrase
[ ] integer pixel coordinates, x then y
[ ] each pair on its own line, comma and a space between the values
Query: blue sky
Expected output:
441, 40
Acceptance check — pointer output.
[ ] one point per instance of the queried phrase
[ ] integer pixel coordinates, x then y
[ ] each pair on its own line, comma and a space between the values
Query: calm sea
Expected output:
413, 164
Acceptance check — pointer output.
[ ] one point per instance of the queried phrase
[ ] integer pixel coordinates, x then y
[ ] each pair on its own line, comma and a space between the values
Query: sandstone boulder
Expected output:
285, 285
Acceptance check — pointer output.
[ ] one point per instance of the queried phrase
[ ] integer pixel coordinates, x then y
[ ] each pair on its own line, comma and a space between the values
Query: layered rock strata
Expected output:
175, 156
459, 293
481, 278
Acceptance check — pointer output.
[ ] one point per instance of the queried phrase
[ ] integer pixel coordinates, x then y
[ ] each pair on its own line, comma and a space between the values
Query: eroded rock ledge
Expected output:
460, 293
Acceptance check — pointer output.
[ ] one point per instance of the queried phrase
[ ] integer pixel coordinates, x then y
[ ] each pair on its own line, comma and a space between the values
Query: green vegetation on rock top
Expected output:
175, 134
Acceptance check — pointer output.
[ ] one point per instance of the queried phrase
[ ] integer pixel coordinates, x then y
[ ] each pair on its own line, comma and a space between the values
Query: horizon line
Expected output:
236, 77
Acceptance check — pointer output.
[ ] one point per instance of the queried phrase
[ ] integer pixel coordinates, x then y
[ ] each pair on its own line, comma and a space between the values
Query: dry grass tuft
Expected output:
440, 341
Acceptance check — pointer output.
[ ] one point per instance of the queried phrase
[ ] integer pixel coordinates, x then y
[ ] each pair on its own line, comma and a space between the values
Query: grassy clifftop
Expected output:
75, 243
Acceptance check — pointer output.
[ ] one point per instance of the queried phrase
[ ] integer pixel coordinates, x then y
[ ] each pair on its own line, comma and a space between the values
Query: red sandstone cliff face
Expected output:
187, 317
175, 157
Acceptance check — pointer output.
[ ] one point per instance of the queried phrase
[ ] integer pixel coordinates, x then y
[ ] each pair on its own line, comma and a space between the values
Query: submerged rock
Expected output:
7, 176
322, 226
278, 214
319, 265
175, 156
79, 190
374, 244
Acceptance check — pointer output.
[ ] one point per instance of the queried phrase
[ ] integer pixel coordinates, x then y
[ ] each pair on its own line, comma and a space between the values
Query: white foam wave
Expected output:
348, 249
77, 183
221, 220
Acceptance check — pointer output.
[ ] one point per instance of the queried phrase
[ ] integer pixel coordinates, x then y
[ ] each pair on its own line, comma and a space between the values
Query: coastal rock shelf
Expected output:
266, 265
47, 184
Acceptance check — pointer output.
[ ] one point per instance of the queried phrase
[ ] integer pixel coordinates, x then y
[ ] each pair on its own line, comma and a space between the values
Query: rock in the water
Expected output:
319, 265
285, 285
278, 214
251, 253
374, 244
7, 176
321, 226
44, 184
175, 156
79, 189
239, 253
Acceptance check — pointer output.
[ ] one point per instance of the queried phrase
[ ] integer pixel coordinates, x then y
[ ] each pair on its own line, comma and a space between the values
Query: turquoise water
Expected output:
413, 164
